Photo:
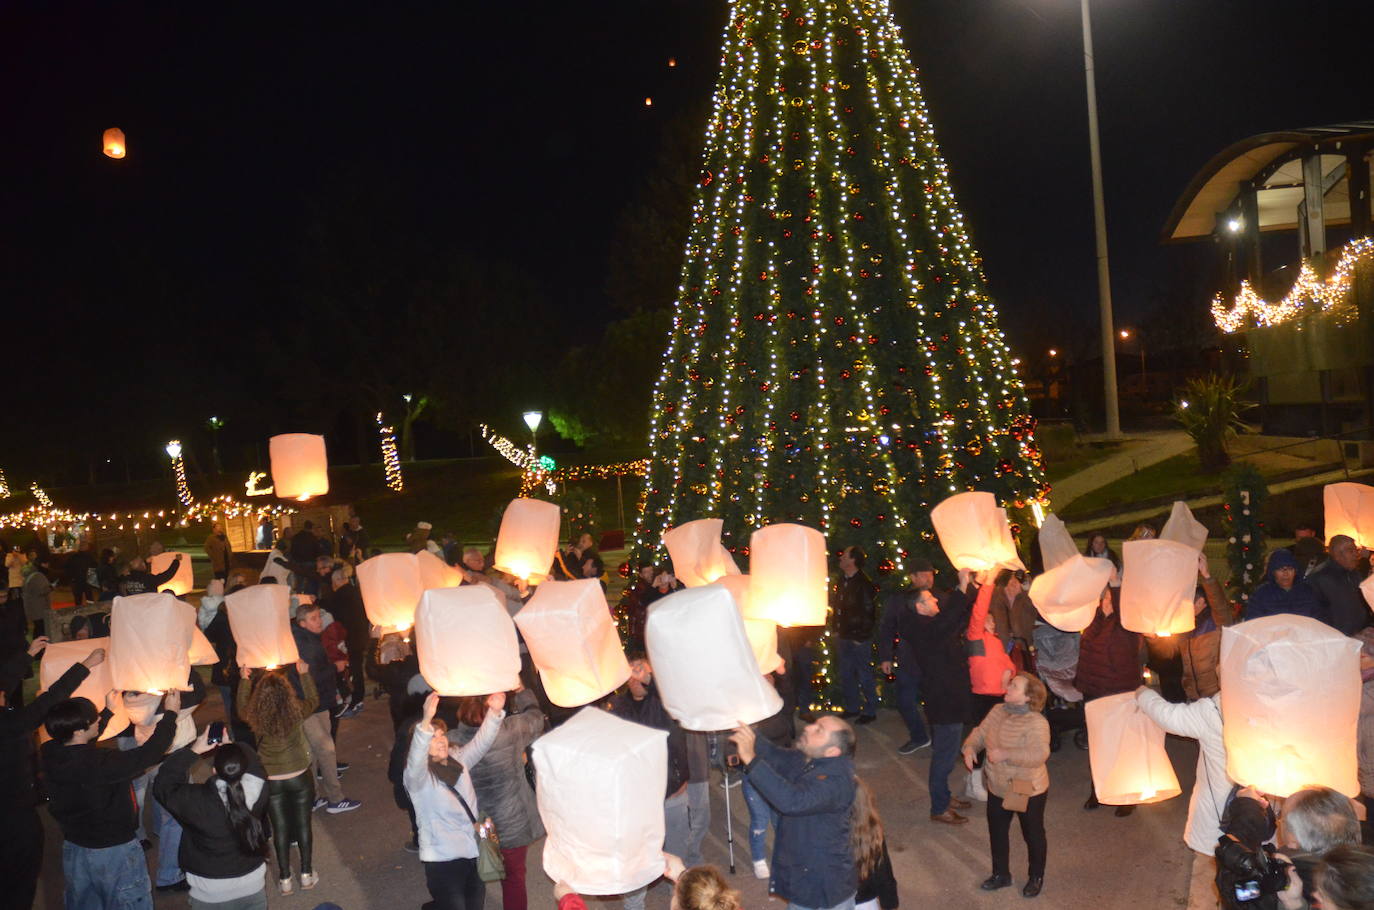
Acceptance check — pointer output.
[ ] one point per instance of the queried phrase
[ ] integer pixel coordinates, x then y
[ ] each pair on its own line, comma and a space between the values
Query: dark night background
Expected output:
326, 206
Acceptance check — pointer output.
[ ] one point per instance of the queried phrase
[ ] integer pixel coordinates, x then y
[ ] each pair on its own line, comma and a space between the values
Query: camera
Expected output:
1252, 874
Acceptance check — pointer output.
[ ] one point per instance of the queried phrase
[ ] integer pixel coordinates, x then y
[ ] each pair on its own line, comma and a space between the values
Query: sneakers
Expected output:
351, 711
412, 846
309, 880
761, 868
342, 766
343, 805
320, 803
911, 746
285, 886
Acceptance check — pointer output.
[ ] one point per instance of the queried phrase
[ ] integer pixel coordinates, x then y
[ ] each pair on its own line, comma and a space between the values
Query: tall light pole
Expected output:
1104, 280
532, 420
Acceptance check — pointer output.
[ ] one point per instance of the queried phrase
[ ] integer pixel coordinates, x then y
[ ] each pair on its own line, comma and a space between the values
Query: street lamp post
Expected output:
532, 420
1104, 282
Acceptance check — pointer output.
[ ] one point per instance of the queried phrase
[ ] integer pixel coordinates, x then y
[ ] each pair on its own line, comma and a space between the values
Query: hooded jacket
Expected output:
1268, 599
988, 661
1108, 655
209, 846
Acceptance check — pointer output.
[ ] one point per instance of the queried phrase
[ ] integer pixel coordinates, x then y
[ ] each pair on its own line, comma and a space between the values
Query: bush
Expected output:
1209, 410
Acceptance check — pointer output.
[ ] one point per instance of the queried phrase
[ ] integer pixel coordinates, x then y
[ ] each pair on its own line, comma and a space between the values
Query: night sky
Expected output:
142, 294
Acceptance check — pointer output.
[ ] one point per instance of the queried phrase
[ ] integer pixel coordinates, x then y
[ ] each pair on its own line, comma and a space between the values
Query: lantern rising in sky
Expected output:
114, 142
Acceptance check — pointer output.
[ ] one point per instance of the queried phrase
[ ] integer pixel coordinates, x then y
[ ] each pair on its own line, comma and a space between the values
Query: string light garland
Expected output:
1309, 293
526, 459
44, 500
575, 473
179, 469
4, 485
391, 460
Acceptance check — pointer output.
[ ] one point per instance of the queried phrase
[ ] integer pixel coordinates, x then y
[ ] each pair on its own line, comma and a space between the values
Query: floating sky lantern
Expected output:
1350, 511
763, 633
466, 642
573, 642
528, 539
113, 143
1056, 545
1184, 528
697, 554
58, 658
974, 532
150, 643
788, 575
1158, 581
1126, 751
1067, 595
300, 465
435, 573
391, 588
260, 621
180, 583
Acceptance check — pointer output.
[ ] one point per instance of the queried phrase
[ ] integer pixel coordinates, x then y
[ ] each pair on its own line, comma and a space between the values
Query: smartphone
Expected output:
216, 733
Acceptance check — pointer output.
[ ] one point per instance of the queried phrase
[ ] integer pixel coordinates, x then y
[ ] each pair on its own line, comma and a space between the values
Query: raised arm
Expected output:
471, 752
980, 611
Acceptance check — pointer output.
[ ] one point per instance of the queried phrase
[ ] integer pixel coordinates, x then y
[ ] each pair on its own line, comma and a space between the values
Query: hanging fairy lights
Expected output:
1309, 294
4, 485
391, 461
179, 470
38, 494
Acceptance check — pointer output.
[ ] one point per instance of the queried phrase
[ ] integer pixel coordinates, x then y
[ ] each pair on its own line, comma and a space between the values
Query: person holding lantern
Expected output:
990, 667
1108, 663
1015, 738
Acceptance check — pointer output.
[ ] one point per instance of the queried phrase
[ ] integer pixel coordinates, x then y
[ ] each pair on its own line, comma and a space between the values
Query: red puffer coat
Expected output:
1108, 655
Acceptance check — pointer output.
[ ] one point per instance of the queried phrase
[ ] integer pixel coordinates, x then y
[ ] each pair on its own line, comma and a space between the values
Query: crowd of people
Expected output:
977, 676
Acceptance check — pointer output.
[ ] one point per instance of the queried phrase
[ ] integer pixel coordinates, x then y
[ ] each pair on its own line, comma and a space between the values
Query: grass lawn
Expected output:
1065, 455
1179, 476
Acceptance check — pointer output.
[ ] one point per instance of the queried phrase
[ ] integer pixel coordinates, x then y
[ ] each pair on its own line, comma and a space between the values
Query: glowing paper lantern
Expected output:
150, 643
704, 664
788, 582
1067, 595
202, 652
1158, 580
58, 658
466, 642
435, 573
260, 620
1056, 546
180, 583
573, 642
763, 633
1367, 589
1290, 704
300, 465
391, 589
113, 146
528, 539
599, 783
974, 532
1184, 528
1126, 750
697, 554
1350, 511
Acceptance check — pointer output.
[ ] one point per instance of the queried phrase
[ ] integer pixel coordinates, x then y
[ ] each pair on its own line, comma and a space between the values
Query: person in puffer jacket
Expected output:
1108, 663
989, 666
1283, 590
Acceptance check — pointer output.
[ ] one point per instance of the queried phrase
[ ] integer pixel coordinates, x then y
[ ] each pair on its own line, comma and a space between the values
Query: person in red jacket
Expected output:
989, 665
1108, 663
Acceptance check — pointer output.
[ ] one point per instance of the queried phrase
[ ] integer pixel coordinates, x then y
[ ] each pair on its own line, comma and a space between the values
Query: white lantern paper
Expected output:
300, 466
391, 588
435, 573
466, 642
150, 643
1367, 589
974, 532
1290, 703
763, 633
1158, 580
180, 583
58, 658
1126, 751
573, 642
788, 577
697, 554
1184, 528
1350, 511
599, 784
202, 652
1056, 546
528, 539
1067, 595
260, 621
704, 664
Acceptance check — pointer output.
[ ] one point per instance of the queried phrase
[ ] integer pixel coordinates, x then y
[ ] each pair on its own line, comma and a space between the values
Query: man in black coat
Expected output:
853, 600
1337, 583
306, 632
927, 630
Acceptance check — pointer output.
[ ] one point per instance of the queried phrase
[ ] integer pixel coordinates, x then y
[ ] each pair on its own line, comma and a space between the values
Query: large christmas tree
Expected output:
834, 359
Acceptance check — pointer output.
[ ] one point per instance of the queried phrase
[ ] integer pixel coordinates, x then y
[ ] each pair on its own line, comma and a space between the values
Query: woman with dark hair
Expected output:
224, 824
277, 715
1097, 549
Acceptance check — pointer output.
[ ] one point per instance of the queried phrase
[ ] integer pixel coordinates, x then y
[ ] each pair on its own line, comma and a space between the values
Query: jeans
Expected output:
944, 749
513, 896
698, 820
856, 675
455, 884
107, 878
289, 804
251, 902
761, 815
909, 703
842, 905
1032, 829
167, 828
676, 824
323, 757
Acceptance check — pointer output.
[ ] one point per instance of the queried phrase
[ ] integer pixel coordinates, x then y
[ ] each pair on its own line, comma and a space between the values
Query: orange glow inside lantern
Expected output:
260, 620
788, 576
528, 539
573, 642
1184, 528
435, 573
697, 554
1158, 580
1126, 751
1350, 511
300, 466
202, 652
1067, 595
180, 583
150, 643
391, 589
466, 642
113, 142
763, 633
974, 532
58, 658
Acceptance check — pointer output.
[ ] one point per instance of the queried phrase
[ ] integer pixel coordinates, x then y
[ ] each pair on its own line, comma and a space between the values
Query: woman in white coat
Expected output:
1199, 720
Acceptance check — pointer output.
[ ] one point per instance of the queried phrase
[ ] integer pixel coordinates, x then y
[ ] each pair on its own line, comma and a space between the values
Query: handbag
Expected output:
490, 866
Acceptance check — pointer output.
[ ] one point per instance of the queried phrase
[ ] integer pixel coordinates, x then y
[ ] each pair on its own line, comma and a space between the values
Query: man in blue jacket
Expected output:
812, 787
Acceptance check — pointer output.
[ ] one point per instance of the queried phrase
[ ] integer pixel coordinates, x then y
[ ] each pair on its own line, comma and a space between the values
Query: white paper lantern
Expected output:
202, 652
1184, 528
974, 532
300, 466
788, 576
435, 573
599, 785
1067, 595
1367, 589
1158, 580
763, 633
1350, 511
1056, 546
180, 583
260, 621
150, 643
573, 642
60, 656
1290, 704
528, 539
697, 554
466, 642
704, 665
391, 588
1126, 751
113, 145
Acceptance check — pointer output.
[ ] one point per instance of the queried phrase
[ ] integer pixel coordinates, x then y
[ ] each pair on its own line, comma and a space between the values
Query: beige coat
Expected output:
1025, 738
